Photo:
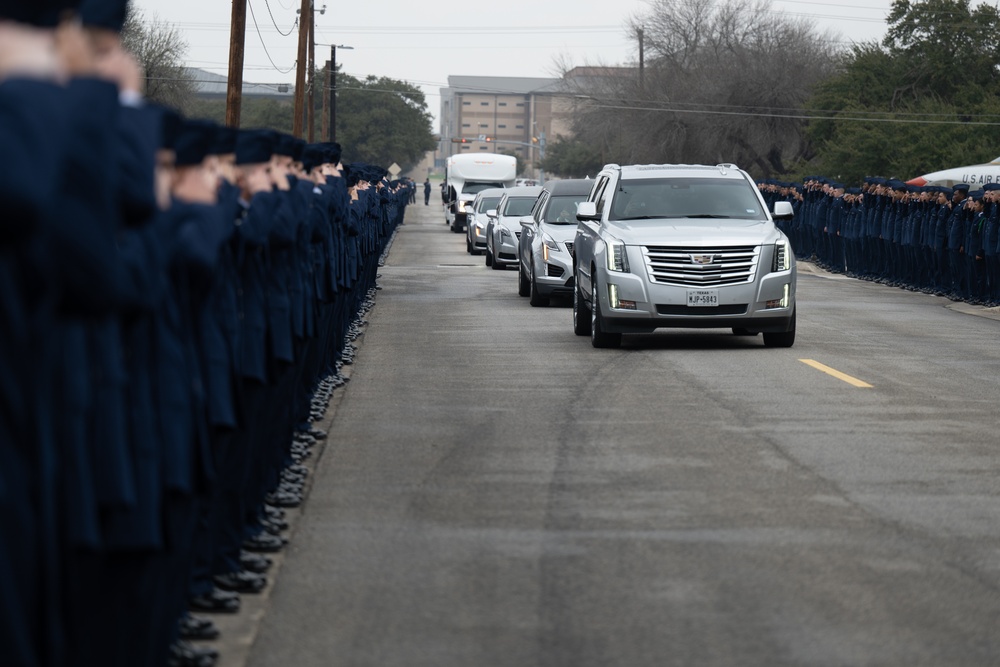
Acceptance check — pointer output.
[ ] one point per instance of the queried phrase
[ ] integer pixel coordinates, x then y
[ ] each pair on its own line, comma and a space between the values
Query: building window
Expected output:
466, 104
503, 104
465, 147
520, 104
484, 104
466, 125
484, 148
501, 126
519, 127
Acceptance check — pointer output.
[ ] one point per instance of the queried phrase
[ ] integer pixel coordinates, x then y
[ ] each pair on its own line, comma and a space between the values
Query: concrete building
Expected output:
514, 114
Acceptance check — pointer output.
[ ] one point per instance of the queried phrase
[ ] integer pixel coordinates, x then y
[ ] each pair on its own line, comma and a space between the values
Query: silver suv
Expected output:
681, 246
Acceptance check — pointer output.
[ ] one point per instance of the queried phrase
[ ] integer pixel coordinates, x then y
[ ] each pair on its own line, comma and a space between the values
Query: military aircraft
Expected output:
974, 174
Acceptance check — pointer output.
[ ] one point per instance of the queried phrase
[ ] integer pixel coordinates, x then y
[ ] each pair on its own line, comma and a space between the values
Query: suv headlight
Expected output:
504, 232
782, 256
549, 245
617, 257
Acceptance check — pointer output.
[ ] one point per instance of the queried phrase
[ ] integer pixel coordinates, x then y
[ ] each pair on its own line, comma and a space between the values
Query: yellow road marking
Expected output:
835, 373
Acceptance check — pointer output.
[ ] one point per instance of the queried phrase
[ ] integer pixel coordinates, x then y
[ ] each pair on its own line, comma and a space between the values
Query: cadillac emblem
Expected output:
702, 259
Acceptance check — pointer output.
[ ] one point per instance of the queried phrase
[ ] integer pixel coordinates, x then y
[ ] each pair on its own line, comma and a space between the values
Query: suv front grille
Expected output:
701, 267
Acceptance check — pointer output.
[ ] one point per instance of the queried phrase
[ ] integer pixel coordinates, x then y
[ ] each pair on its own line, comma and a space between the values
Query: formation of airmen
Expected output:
933, 239
178, 301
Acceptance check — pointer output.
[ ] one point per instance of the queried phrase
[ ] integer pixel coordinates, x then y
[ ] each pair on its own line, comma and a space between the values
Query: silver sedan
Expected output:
545, 249
475, 230
504, 227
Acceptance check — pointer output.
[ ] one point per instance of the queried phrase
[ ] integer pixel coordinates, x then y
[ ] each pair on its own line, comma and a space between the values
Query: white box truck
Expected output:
466, 175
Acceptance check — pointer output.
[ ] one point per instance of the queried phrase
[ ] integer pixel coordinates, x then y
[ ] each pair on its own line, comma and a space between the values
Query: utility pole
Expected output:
642, 61
325, 124
234, 86
333, 92
312, 76
300, 73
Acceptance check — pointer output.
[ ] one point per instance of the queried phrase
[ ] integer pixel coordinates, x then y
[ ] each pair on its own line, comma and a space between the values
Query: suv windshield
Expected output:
518, 206
562, 210
709, 198
476, 188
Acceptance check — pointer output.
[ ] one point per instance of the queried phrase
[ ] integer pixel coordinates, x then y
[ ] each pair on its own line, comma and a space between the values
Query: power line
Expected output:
261, 37
283, 34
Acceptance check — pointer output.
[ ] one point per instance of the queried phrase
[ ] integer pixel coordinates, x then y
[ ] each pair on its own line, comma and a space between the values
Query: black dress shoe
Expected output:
241, 582
264, 543
195, 627
254, 562
284, 499
318, 434
272, 527
274, 512
183, 654
217, 601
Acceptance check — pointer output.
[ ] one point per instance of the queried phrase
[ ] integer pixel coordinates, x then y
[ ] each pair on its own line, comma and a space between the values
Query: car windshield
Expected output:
476, 188
708, 198
518, 206
487, 203
562, 210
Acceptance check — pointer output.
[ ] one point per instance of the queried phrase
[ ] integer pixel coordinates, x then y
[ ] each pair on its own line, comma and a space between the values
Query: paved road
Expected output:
499, 493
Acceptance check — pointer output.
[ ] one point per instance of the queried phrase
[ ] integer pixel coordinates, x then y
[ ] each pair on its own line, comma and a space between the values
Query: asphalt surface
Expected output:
497, 492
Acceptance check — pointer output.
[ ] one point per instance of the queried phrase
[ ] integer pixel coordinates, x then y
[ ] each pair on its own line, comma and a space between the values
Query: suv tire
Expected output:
537, 299
581, 314
781, 338
523, 283
598, 336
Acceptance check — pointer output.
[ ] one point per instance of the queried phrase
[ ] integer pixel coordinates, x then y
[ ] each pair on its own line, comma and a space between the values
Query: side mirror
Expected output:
492, 213
783, 210
587, 210
526, 221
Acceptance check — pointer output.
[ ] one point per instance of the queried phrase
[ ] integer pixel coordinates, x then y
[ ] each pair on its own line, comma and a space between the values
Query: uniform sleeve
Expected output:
33, 130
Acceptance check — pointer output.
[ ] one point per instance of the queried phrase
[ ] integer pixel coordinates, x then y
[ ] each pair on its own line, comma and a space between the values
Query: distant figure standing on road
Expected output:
427, 192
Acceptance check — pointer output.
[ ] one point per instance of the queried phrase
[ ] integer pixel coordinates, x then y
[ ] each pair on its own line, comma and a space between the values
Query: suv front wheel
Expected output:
581, 314
598, 336
781, 338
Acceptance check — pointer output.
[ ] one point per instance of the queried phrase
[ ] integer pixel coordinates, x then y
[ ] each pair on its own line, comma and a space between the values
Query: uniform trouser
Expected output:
977, 277
991, 264
256, 443
232, 481
280, 425
212, 513
171, 569
955, 272
21, 634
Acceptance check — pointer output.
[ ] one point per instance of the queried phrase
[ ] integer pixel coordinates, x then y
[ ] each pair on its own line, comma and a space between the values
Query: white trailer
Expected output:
467, 174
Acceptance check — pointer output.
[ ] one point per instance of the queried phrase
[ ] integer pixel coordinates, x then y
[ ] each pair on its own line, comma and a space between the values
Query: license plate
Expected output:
703, 297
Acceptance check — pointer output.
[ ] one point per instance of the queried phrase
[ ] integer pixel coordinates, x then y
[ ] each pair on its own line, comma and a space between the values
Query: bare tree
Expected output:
724, 81
160, 50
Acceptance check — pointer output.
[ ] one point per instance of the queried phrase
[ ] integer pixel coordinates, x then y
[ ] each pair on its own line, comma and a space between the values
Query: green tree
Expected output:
571, 158
382, 120
926, 98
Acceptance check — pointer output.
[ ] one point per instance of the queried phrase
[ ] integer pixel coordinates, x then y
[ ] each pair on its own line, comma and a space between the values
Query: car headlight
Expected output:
461, 207
617, 257
782, 256
549, 245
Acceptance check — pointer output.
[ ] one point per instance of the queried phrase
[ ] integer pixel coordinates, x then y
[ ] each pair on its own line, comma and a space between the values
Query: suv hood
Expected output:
694, 232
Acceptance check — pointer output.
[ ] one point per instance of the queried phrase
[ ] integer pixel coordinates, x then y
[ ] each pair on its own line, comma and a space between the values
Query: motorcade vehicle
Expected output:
475, 228
467, 174
545, 248
681, 246
504, 226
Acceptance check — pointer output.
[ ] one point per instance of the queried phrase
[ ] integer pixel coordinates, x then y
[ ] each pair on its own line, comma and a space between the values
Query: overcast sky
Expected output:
425, 42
